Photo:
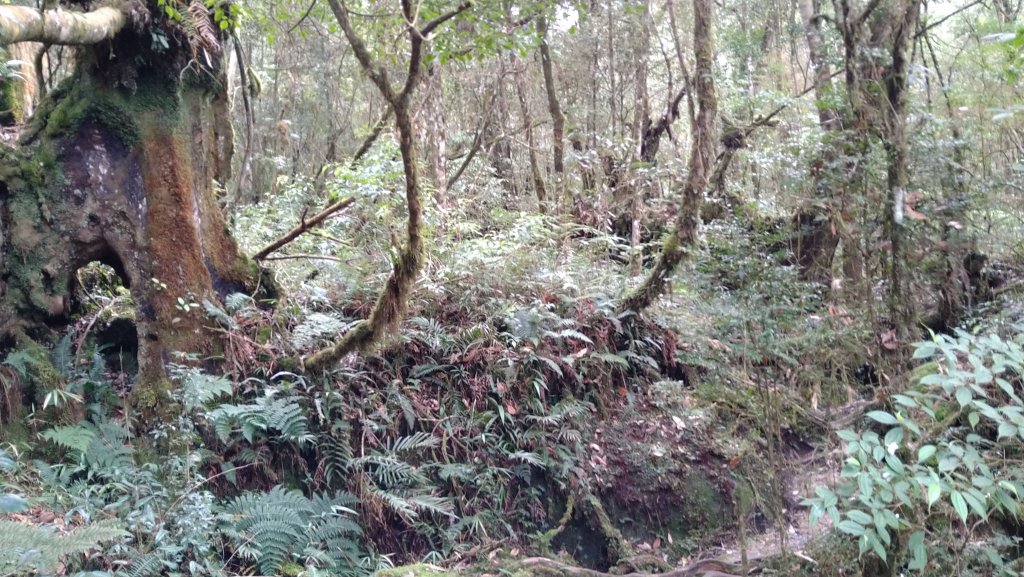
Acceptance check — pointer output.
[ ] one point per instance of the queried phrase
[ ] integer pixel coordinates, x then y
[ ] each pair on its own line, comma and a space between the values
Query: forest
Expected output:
511, 288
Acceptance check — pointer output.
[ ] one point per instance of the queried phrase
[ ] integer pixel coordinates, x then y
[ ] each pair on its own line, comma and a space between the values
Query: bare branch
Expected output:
433, 24
376, 72
303, 226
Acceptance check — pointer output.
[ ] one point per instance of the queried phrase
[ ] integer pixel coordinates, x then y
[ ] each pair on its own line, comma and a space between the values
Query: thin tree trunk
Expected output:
904, 21
500, 152
554, 107
524, 108
816, 235
434, 139
390, 307
702, 156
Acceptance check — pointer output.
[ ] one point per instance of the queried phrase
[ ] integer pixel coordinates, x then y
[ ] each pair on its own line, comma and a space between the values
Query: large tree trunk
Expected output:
117, 166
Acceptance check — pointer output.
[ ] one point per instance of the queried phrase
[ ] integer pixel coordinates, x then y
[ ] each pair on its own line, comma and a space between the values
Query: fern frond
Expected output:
27, 548
416, 441
75, 438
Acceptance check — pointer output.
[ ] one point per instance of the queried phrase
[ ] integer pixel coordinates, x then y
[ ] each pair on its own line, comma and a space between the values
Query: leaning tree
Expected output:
118, 165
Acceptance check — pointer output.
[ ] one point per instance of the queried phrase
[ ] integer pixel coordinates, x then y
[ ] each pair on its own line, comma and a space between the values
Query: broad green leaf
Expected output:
847, 435
934, 492
882, 417
894, 436
851, 527
924, 350
919, 555
865, 485
859, 517
1007, 430
816, 513
925, 452
964, 396
959, 504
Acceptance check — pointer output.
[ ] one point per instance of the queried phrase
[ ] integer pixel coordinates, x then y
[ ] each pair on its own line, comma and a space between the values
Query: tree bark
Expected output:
122, 175
901, 24
435, 133
816, 237
554, 107
540, 189
500, 152
683, 238
20, 95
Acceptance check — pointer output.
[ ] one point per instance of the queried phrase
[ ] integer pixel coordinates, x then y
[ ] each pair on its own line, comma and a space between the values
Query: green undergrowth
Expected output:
515, 405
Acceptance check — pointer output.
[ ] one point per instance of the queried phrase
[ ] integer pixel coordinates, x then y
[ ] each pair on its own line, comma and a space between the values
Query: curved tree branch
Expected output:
390, 306
24, 24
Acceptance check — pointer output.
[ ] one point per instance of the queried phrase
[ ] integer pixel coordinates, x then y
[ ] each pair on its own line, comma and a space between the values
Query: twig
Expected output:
303, 18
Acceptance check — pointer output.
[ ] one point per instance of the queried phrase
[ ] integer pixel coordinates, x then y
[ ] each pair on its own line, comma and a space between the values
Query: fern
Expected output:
336, 456
199, 388
100, 446
282, 525
27, 548
315, 328
218, 314
75, 438
143, 566
256, 420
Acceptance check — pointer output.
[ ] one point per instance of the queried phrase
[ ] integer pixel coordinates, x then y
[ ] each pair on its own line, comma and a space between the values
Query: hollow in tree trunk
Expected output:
118, 166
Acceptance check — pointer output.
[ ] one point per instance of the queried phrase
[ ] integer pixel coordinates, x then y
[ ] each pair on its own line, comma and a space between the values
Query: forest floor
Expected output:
795, 535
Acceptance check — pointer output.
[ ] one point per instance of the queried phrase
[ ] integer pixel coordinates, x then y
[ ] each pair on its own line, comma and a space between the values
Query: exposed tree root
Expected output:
545, 538
618, 548
542, 566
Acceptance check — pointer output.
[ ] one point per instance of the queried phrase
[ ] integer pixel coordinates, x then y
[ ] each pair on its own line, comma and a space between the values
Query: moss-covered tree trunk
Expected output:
118, 166
682, 240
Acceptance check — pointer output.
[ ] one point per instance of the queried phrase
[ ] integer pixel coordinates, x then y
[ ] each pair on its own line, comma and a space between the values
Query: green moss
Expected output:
152, 399
921, 372
417, 570
705, 513
42, 376
105, 110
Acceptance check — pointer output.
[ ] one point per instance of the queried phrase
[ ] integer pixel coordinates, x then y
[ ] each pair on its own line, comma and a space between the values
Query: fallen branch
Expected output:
303, 226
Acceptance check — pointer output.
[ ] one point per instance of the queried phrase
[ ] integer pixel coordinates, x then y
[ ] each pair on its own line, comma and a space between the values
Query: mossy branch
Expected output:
24, 24
390, 306
545, 538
